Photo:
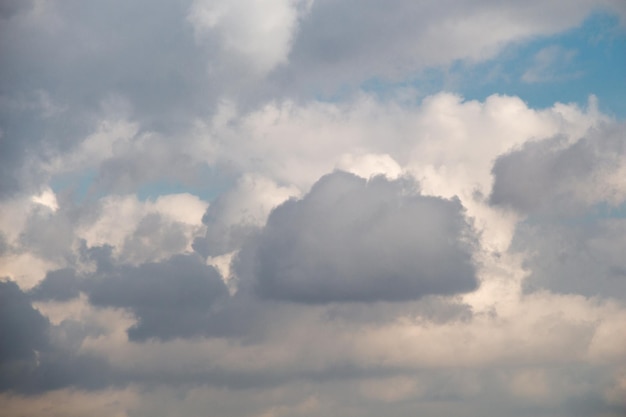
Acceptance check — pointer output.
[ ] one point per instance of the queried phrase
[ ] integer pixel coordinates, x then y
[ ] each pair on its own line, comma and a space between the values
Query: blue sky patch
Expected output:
568, 68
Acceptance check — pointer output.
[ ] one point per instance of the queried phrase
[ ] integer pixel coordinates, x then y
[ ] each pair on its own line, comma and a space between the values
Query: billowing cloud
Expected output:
173, 298
561, 175
23, 328
153, 292
30, 359
573, 195
236, 215
355, 240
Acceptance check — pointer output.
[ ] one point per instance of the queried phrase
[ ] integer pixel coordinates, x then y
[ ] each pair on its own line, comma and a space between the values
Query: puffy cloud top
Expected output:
355, 240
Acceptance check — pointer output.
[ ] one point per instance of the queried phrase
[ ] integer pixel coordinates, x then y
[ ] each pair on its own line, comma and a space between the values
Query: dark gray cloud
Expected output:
555, 176
23, 329
584, 258
355, 240
4, 245
172, 298
31, 358
541, 176
36, 356
58, 285
177, 297
9, 8
573, 198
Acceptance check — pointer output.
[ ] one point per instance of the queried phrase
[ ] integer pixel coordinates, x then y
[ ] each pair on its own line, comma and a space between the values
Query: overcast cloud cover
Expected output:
265, 208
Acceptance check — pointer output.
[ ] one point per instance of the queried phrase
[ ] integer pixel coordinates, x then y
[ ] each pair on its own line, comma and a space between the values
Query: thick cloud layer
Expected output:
177, 239
573, 196
30, 360
355, 240
585, 258
560, 176
169, 299
173, 298
24, 329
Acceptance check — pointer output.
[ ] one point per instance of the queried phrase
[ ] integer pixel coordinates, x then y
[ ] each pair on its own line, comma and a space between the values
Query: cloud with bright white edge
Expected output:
289, 208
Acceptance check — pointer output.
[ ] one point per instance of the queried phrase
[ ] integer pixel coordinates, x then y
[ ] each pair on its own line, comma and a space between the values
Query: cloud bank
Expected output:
288, 208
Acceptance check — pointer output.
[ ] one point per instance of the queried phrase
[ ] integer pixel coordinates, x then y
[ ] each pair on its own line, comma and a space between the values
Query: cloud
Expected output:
562, 175
551, 63
59, 285
354, 240
572, 194
110, 63
172, 298
572, 258
30, 360
237, 214
348, 42
467, 260
163, 72
260, 31
10, 8
23, 328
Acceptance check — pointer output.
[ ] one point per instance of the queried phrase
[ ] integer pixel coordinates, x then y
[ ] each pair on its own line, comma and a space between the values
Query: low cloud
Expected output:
169, 299
562, 175
351, 239
571, 193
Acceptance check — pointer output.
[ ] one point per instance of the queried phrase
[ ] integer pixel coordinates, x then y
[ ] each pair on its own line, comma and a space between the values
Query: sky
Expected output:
268, 208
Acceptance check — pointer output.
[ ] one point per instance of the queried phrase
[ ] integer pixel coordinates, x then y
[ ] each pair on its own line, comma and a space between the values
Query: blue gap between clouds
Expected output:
207, 185
597, 66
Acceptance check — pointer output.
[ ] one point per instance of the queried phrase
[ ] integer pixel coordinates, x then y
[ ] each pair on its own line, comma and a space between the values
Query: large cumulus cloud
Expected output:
572, 195
355, 240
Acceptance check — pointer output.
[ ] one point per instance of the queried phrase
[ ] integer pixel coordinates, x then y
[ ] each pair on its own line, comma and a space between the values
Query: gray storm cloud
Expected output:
355, 240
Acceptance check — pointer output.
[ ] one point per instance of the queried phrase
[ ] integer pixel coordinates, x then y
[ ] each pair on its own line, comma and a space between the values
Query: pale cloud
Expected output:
47, 198
369, 165
71, 403
551, 63
238, 213
119, 224
260, 31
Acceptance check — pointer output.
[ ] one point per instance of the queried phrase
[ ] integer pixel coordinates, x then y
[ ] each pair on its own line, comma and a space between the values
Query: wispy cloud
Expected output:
552, 64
